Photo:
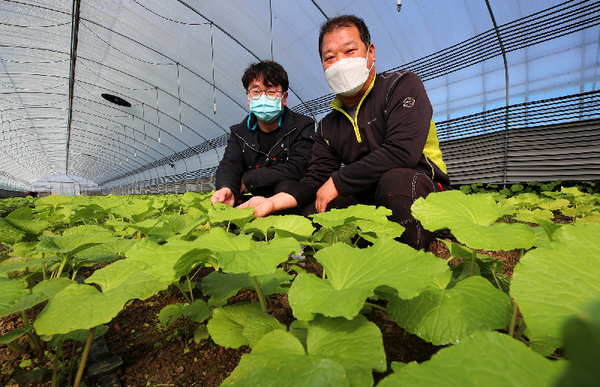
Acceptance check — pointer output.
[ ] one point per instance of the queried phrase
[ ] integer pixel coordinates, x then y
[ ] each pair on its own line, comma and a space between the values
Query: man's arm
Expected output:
322, 164
229, 173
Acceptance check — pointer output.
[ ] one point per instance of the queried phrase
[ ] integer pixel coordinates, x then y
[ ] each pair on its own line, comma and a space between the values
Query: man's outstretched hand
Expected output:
266, 206
262, 206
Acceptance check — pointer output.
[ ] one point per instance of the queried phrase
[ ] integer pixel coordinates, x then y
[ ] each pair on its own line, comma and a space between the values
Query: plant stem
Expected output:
497, 282
261, 297
62, 266
513, 320
375, 306
32, 341
44, 271
473, 261
522, 327
84, 357
183, 293
55, 365
73, 346
189, 286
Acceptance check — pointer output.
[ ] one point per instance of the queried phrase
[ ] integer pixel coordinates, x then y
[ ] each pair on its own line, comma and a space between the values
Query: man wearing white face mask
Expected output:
379, 144
270, 149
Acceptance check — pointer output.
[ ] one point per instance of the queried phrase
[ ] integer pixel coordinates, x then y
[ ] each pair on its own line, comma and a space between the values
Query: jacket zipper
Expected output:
273, 147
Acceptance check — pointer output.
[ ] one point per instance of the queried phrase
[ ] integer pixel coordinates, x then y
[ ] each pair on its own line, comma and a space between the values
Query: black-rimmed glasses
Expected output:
271, 94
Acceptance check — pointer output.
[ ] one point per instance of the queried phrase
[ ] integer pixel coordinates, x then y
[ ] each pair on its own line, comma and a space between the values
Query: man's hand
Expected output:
224, 195
262, 206
266, 206
325, 195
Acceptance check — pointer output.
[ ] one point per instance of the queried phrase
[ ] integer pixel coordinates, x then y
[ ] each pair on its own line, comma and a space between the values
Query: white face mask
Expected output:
347, 76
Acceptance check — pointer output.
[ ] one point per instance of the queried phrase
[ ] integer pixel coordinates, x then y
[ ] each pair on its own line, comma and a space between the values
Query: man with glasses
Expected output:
270, 149
377, 146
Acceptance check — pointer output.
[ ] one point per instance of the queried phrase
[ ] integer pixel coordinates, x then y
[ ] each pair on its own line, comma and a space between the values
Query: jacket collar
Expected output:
337, 103
287, 125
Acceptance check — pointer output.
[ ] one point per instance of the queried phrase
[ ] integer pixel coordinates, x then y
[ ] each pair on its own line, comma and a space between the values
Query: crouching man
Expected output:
379, 144
270, 149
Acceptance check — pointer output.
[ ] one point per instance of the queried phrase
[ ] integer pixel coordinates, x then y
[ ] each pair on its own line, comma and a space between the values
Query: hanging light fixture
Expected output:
116, 100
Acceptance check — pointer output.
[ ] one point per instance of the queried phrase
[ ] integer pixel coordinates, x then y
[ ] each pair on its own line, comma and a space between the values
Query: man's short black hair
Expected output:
344, 21
272, 74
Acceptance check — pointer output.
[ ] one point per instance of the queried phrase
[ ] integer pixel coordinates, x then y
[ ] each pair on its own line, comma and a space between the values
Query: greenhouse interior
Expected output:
420, 208
134, 97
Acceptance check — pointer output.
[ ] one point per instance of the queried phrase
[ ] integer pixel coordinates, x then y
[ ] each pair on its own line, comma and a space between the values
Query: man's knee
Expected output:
397, 190
406, 185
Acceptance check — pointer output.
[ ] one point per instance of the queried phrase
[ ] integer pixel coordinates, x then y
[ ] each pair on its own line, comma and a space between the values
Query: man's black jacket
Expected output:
261, 171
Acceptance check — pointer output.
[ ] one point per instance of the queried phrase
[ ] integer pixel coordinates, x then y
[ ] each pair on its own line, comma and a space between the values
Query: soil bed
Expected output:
157, 356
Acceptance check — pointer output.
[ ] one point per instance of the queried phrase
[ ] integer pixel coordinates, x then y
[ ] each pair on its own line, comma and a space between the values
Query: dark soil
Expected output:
156, 356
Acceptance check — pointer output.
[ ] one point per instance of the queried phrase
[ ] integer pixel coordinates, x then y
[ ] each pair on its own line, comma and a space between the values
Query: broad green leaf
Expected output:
443, 316
191, 225
84, 230
71, 244
441, 209
42, 292
108, 252
198, 311
80, 335
146, 226
241, 324
470, 219
532, 216
12, 291
23, 213
171, 224
239, 254
90, 213
555, 204
107, 202
338, 353
201, 333
225, 285
8, 234
21, 219
486, 359
136, 211
161, 259
20, 263
294, 226
371, 230
357, 343
13, 335
339, 217
571, 191
582, 347
283, 368
51, 202
221, 213
553, 284
196, 200
83, 306
542, 344
353, 274
22, 249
